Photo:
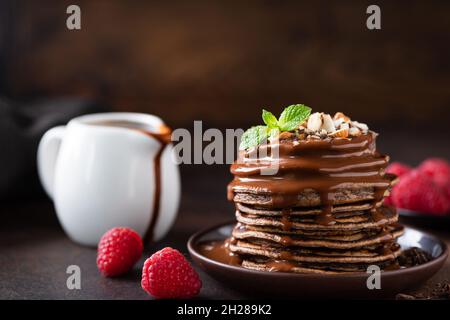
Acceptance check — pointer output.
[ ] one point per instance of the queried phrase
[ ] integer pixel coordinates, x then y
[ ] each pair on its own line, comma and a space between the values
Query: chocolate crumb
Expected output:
441, 291
413, 257
402, 296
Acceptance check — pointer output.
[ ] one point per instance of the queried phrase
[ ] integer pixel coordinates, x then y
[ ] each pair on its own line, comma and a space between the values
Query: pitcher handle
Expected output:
47, 155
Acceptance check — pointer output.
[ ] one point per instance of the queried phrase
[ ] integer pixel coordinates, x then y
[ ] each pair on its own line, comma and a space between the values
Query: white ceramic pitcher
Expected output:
101, 177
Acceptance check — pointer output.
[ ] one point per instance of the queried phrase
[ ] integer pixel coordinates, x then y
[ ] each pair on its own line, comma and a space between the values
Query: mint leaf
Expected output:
253, 137
292, 116
269, 119
274, 132
289, 120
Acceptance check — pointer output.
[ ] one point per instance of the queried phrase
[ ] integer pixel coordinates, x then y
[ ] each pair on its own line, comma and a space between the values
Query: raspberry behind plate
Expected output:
398, 168
417, 191
438, 170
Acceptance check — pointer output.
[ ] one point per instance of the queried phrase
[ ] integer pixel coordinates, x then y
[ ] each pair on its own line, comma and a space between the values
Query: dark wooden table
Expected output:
35, 252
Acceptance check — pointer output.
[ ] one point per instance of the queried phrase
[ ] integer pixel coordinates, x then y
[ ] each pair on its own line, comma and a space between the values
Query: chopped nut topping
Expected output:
315, 121
285, 135
355, 132
321, 125
340, 115
328, 124
341, 133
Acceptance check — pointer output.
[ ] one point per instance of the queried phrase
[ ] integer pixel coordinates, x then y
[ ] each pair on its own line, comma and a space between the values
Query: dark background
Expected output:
222, 61
216, 61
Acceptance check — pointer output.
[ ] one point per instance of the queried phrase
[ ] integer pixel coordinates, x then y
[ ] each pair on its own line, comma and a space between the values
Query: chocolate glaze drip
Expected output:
285, 214
163, 136
320, 165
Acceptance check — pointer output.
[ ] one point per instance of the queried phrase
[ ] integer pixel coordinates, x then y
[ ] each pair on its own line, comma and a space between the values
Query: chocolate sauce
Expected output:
392, 267
279, 266
219, 251
163, 136
286, 223
286, 255
286, 240
320, 165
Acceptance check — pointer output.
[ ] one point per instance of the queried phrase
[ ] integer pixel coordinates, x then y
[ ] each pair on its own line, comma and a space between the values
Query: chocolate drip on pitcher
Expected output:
164, 138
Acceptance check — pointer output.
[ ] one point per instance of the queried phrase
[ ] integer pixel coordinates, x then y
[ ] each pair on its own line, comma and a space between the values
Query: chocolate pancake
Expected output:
334, 235
390, 233
353, 193
338, 210
387, 216
264, 264
348, 217
316, 256
368, 251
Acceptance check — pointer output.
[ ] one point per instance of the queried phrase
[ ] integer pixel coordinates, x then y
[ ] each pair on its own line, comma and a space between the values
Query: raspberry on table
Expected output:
168, 275
118, 250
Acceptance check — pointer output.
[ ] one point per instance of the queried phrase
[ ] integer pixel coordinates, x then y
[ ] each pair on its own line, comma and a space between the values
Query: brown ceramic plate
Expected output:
424, 216
282, 285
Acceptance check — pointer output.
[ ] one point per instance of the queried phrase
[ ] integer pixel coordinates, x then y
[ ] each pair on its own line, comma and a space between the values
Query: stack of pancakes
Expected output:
321, 212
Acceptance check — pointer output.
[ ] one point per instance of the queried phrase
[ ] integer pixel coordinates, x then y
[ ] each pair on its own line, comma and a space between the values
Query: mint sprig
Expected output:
269, 119
292, 116
289, 120
253, 137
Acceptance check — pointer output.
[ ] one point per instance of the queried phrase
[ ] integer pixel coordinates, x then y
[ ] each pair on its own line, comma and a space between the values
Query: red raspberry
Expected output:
167, 275
118, 250
398, 168
418, 192
438, 170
